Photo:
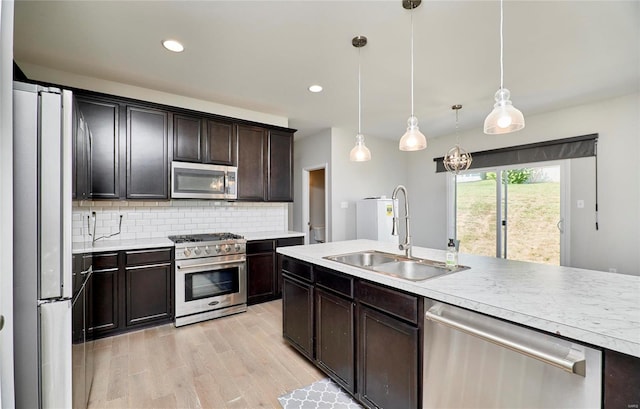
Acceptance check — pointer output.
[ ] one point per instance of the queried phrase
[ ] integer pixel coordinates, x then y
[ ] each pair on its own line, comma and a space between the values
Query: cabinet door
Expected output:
219, 146
280, 167
251, 162
148, 293
335, 338
103, 146
261, 283
297, 315
147, 154
621, 380
81, 148
387, 361
103, 301
187, 139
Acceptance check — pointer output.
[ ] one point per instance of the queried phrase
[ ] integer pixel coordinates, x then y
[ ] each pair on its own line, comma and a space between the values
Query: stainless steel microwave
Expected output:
202, 181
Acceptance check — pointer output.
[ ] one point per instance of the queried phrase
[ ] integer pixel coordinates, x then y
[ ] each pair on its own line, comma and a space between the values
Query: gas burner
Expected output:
191, 246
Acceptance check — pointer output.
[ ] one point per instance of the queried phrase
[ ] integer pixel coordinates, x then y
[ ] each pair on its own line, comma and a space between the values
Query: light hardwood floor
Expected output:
240, 361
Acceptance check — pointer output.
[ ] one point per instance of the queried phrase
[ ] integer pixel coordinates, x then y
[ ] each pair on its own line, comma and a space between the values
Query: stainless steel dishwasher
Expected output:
475, 361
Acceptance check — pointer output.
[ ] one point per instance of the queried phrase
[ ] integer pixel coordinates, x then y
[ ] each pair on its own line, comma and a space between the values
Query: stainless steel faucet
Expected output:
406, 245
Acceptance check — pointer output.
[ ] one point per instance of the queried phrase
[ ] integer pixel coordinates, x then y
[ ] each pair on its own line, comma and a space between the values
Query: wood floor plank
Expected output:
234, 362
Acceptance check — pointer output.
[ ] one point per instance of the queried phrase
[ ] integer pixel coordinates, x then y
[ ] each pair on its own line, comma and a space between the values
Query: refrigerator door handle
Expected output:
67, 152
50, 200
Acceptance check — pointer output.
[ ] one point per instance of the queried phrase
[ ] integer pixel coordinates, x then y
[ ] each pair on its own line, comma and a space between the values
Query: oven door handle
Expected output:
217, 263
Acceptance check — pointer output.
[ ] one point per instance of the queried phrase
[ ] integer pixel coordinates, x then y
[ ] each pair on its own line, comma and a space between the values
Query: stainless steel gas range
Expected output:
211, 276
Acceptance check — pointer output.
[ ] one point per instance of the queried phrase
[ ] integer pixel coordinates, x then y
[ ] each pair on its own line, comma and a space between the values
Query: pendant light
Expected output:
360, 152
457, 159
505, 117
413, 139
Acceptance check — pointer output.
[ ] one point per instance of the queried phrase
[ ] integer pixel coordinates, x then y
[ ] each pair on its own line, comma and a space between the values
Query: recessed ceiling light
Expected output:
173, 45
315, 88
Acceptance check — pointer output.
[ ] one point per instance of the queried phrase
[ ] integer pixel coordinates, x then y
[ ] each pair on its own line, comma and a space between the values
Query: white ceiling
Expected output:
262, 55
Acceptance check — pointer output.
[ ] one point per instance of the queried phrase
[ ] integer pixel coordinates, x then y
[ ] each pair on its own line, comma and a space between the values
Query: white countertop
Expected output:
594, 307
115, 245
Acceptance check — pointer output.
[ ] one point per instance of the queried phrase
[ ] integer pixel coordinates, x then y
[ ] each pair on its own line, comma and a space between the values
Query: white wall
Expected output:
617, 121
7, 399
314, 150
352, 181
40, 73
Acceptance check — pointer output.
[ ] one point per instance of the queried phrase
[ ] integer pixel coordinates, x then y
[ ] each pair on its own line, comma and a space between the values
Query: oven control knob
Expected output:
197, 251
207, 250
187, 252
238, 246
227, 248
217, 248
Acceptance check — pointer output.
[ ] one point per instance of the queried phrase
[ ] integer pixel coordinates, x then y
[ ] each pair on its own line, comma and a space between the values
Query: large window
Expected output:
512, 212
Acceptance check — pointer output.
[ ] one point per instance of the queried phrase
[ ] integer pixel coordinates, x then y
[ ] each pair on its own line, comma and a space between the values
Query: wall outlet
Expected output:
613, 270
580, 204
344, 205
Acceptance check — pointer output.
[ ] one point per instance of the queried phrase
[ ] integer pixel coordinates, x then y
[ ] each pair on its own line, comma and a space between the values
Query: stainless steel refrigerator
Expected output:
42, 139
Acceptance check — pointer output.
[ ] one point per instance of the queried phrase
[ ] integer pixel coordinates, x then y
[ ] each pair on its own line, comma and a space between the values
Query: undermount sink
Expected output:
413, 269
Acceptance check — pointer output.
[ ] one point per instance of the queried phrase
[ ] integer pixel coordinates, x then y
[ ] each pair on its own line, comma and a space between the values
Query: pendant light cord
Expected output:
412, 60
501, 46
359, 94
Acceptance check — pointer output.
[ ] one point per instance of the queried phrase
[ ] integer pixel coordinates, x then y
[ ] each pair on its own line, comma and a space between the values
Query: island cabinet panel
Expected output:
284, 242
297, 306
147, 153
187, 138
280, 167
99, 150
219, 143
621, 380
251, 148
368, 337
335, 337
388, 361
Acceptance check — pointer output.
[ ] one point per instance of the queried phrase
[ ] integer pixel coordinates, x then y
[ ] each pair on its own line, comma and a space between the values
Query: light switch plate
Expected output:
344, 205
580, 204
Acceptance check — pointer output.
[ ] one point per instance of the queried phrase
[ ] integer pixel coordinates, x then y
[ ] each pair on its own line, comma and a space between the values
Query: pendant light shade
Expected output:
505, 117
360, 152
413, 139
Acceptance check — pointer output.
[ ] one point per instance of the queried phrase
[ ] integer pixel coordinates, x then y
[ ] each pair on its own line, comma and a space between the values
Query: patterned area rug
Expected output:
323, 394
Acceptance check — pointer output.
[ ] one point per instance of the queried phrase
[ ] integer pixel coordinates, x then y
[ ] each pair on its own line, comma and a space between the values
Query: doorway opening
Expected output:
315, 206
514, 212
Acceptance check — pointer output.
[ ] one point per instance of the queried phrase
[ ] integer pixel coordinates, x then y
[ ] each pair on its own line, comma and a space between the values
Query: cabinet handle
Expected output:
574, 362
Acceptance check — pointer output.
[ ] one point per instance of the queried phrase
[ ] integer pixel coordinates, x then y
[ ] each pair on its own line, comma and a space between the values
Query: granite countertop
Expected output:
132, 244
594, 307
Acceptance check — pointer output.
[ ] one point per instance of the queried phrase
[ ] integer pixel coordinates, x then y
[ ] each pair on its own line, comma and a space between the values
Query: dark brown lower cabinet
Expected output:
335, 338
297, 315
261, 278
148, 293
621, 380
388, 356
130, 290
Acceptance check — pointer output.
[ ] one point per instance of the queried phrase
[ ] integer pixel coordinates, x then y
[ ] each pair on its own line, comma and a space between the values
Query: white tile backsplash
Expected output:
161, 219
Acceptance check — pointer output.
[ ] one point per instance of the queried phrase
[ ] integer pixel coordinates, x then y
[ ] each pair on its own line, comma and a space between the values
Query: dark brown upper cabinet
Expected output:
252, 151
101, 148
187, 138
147, 153
219, 143
280, 167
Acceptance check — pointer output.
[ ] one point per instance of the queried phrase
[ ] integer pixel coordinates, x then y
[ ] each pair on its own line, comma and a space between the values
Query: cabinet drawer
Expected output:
297, 269
334, 280
136, 257
394, 302
102, 261
289, 241
260, 246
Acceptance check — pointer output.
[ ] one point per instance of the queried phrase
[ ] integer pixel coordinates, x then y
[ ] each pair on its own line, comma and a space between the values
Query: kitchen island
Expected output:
367, 330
